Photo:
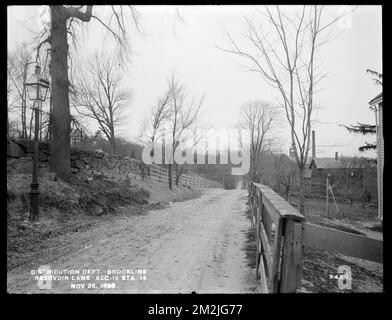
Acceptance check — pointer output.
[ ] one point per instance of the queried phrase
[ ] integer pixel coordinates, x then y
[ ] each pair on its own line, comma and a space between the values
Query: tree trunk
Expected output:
287, 187
290, 189
24, 125
60, 85
301, 191
170, 177
112, 141
178, 174
254, 176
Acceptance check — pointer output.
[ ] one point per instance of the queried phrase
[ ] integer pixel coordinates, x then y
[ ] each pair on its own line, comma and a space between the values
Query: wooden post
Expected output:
258, 248
291, 272
333, 198
327, 208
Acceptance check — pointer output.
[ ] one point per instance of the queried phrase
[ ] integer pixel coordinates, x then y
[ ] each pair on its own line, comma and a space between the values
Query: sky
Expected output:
186, 46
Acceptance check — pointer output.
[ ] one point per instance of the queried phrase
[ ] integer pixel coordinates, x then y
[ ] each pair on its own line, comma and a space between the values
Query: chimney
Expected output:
336, 156
313, 144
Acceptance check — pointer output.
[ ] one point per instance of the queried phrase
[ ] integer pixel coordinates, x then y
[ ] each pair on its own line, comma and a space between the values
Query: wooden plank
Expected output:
276, 204
154, 169
266, 247
298, 250
292, 257
258, 254
271, 210
274, 276
267, 222
263, 277
322, 238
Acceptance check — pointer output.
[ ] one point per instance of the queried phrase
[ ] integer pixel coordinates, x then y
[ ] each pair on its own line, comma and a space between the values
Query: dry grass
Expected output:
69, 207
319, 266
357, 214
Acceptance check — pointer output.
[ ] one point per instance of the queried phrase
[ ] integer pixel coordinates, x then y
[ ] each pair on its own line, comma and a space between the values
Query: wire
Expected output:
338, 145
327, 123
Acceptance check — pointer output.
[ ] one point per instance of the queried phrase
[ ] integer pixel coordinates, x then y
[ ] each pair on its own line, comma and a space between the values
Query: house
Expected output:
318, 170
323, 166
376, 104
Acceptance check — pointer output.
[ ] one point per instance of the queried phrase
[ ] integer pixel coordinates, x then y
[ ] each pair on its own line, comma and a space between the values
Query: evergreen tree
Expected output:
364, 128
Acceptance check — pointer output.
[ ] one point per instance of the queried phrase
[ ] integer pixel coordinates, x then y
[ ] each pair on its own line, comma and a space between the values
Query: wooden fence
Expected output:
191, 180
281, 234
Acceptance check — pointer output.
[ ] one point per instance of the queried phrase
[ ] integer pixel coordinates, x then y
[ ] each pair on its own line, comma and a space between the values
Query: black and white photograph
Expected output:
194, 149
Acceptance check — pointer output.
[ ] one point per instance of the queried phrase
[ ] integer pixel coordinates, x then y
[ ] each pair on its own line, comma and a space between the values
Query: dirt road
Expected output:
195, 245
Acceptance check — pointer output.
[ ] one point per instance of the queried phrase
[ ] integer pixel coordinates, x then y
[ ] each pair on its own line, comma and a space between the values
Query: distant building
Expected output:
376, 103
324, 166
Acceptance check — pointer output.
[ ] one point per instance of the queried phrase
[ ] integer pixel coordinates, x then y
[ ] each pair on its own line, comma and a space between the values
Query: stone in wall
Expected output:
96, 163
14, 150
19, 157
79, 164
20, 165
99, 154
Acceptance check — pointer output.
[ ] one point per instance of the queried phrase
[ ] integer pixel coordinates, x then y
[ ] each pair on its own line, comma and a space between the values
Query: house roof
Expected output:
326, 163
377, 99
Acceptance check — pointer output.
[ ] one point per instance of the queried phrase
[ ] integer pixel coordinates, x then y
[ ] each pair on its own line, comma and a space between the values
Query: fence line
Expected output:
281, 234
161, 175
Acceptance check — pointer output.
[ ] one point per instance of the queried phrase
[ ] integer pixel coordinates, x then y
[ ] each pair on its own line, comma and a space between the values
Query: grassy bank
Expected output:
74, 206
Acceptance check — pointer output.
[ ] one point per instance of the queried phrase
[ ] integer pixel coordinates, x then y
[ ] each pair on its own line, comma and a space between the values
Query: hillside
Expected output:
75, 205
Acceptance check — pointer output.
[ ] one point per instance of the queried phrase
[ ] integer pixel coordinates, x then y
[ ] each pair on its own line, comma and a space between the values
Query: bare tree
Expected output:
17, 68
11, 101
286, 171
100, 95
63, 23
257, 117
157, 115
283, 48
196, 134
185, 112
173, 118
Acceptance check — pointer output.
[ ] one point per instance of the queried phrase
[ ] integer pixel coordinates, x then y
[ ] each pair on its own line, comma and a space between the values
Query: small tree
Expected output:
185, 112
157, 116
257, 117
174, 115
100, 95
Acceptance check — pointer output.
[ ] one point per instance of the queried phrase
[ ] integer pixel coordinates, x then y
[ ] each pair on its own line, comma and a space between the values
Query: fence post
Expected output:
327, 197
291, 272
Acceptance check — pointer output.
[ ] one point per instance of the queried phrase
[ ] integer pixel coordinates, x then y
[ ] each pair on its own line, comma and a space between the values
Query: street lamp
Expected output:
37, 88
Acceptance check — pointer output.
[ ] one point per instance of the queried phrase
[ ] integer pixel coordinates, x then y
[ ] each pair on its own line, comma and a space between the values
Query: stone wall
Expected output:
20, 155
96, 163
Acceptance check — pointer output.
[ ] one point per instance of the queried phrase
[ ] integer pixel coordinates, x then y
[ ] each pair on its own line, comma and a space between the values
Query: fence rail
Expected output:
322, 238
161, 175
281, 234
277, 234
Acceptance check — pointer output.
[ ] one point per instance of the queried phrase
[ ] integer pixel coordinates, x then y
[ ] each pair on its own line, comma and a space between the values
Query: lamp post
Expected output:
37, 88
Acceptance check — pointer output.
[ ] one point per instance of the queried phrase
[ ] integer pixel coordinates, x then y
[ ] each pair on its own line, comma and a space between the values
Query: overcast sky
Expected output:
186, 46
